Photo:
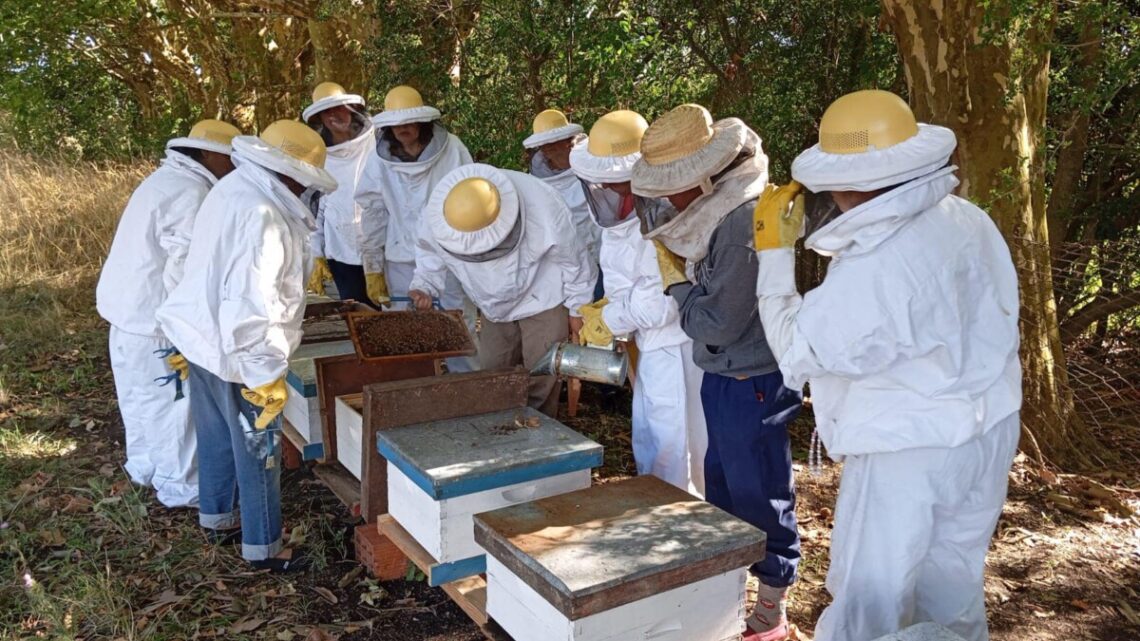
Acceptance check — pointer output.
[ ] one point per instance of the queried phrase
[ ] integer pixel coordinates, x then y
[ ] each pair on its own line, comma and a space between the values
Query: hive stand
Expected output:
407, 402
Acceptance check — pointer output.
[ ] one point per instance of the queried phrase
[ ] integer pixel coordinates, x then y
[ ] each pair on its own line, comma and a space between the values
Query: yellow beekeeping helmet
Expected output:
402, 97
617, 133
296, 140
327, 90
548, 120
863, 121
214, 131
472, 204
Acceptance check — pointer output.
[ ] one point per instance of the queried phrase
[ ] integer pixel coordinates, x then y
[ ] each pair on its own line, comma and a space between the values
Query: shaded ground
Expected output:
84, 555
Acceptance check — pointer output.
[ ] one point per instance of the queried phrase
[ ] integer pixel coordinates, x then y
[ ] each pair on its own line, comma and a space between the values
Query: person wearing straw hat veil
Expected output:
236, 319
509, 240
669, 437
550, 145
697, 183
341, 120
146, 261
917, 388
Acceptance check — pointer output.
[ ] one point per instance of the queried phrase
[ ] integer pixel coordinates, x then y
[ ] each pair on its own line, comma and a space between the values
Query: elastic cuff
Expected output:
219, 521
776, 274
260, 552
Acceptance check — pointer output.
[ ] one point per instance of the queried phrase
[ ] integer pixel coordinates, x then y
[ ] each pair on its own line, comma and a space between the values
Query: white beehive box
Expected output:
441, 473
349, 432
302, 406
637, 559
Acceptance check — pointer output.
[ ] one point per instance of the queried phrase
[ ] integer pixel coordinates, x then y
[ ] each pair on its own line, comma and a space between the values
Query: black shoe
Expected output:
296, 563
231, 536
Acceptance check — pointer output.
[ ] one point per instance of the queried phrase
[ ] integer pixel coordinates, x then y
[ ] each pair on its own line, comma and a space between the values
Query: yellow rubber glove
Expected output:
671, 265
178, 363
774, 224
321, 274
270, 397
594, 329
377, 287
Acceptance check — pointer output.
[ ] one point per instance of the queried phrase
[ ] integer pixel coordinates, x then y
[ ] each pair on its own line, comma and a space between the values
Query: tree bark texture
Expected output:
991, 87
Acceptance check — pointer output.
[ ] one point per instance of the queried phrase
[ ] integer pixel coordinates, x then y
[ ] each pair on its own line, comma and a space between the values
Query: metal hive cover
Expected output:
475, 453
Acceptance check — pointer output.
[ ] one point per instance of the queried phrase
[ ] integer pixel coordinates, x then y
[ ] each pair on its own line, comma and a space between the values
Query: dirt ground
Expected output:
87, 556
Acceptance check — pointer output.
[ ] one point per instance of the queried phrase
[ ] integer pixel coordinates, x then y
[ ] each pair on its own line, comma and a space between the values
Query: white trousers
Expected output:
669, 434
912, 529
160, 441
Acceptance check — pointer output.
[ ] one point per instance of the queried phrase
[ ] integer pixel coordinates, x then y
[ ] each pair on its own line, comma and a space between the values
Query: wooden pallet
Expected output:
469, 594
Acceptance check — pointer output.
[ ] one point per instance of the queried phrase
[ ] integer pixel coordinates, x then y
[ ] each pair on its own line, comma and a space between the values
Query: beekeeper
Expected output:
698, 182
145, 263
413, 152
508, 238
669, 437
551, 142
341, 120
236, 318
917, 387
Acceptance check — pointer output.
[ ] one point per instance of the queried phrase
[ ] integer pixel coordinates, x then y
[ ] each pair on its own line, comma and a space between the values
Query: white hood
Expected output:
392, 195
338, 225
863, 228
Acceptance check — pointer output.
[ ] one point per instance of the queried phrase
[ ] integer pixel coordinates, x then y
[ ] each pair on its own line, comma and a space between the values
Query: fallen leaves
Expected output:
326, 594
246, 625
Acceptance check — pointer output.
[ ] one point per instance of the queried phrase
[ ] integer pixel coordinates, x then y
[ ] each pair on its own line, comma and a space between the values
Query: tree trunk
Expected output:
1074, 142
965, 78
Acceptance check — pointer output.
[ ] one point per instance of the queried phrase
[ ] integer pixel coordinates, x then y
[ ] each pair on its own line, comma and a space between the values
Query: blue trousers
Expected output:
349, 281
232, 459
748, 466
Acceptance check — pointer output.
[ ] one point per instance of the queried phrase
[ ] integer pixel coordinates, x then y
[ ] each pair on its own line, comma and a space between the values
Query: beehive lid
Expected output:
475, 453
302, 375
596, 549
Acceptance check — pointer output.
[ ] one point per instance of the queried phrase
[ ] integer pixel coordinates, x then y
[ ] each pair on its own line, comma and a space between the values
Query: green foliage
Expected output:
775, 64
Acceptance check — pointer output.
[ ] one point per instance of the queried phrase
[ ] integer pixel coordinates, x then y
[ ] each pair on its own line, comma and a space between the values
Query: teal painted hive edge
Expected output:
308, 391
455, 570
312, 451
572, 462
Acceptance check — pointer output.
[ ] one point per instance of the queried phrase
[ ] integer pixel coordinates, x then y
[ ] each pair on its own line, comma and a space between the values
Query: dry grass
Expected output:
59, 218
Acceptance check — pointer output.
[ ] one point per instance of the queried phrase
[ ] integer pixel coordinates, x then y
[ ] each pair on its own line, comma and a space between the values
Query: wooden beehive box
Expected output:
302, 406
635, 559
350, 432
440, 473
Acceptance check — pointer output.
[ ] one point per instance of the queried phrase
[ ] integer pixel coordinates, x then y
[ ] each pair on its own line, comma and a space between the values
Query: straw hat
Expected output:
473, 209
550, 126
684, 149
208, 135
291, 148
404, 105
612, 150
328, 95
869, 140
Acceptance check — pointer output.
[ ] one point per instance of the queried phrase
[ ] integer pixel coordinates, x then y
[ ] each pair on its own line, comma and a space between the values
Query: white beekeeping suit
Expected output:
911, 348
145, 263
394, 191
552, 134
669, 435
508, 239
236, 317
337, 237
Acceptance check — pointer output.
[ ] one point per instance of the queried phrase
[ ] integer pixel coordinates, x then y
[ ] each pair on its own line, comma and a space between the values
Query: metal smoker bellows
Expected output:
592, 364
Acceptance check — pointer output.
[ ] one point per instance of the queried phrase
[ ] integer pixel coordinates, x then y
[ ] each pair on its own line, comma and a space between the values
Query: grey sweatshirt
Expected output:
719, 311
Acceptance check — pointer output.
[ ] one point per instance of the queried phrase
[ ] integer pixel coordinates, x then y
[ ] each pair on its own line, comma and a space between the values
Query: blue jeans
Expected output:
748, 466
232, 458
349, 281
